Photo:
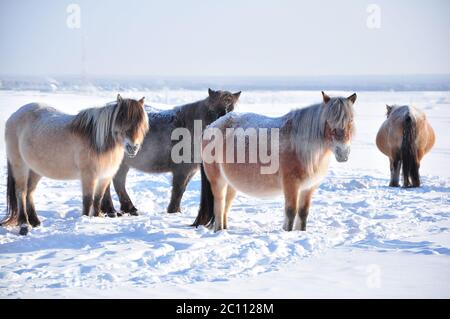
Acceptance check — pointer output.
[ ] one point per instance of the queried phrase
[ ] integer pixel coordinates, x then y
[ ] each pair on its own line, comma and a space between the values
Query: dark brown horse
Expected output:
405, 137
155, 155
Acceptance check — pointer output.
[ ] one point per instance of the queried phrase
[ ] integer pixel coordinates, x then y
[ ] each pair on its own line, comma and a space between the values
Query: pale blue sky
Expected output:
225, 38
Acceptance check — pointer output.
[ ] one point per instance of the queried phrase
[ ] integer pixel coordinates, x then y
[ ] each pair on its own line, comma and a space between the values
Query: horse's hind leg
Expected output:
180, 181
231, 194
33, 180
303, 209
219, 190
395, 165
126, 205
20, 173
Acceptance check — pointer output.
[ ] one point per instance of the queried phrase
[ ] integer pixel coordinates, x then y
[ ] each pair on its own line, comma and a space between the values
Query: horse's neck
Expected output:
304, 132
193, 111
191, 107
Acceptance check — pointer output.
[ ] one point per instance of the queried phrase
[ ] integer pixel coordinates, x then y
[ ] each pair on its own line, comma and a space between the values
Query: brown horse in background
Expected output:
41, 141
307, 138
405, 137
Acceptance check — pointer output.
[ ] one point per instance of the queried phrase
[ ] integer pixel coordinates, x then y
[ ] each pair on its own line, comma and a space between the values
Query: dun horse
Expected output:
41, 141
405, 137
307, 138
155, 154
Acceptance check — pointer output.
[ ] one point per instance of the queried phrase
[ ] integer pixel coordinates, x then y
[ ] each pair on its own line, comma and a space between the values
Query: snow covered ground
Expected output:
364, 239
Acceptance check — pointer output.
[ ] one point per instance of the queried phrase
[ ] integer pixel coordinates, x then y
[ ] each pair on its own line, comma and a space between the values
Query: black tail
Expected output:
11, 200
206, 211
409, 153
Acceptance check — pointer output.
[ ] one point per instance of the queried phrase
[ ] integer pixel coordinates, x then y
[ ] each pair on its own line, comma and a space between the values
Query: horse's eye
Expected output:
339, 133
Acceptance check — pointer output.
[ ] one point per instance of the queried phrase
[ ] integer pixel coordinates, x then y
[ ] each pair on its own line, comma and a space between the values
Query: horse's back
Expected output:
39, 136
245, 121
35, 113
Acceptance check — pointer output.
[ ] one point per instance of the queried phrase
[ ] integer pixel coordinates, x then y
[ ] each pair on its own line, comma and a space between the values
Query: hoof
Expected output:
133, 213
23, 230
129, 210
111, 214
119, 214
394, 185
35, 223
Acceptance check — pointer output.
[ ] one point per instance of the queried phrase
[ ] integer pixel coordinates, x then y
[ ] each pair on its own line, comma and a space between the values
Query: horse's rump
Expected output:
405, 137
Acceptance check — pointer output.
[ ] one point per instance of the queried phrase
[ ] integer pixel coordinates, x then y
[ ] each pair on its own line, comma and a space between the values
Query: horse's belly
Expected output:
51, 167
54, 172
51, 162
249, 180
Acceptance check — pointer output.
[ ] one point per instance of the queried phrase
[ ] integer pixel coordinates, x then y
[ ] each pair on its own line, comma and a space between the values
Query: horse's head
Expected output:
131, 124
222, 102
338, 117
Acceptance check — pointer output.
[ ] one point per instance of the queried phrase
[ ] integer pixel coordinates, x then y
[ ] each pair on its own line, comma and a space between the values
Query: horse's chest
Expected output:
313, 180
109, 163
316, 175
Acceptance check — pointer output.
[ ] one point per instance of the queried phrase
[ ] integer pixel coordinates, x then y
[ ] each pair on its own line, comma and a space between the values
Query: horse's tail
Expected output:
206, 211
11, 199
409, 151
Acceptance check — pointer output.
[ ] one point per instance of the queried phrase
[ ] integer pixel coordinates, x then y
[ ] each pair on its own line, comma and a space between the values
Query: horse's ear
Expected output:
326, 98
212, 94
119, 98
237, 95
141, 101
388, 109
352, 98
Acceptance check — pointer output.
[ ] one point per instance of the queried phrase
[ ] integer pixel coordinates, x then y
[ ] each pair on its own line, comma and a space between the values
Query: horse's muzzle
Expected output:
131, 150
341, 153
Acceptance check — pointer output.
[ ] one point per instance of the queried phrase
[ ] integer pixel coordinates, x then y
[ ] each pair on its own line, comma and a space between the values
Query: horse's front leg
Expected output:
303, 210
291, 195
126, 205
102, 185
107, 205
88, 184
180, 180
